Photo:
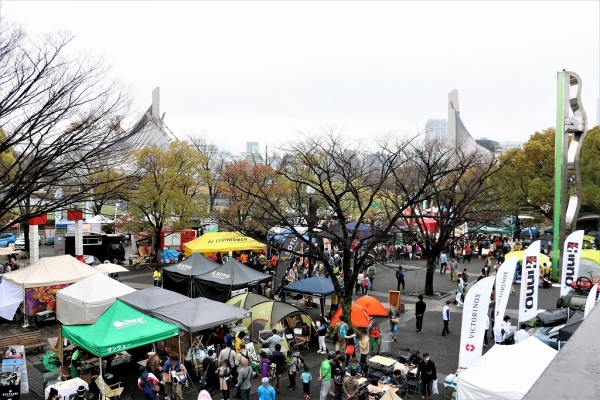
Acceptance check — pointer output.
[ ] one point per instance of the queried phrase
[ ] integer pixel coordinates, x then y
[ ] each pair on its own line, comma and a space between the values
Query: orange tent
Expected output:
372, 306
358, 314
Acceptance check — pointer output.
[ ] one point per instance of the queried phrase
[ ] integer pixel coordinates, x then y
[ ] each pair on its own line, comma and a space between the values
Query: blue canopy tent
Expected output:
315, 287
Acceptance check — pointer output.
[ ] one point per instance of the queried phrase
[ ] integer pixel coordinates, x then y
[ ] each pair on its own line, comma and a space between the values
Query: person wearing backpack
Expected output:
371, 274
375, 338
209, 366
148, 384
365, 284
400, 278
245, 375
341, 328
296, 364
278, 358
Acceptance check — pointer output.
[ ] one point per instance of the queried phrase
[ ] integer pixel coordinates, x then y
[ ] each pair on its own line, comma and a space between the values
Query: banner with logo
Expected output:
530, 278
474, 315
591, 300
570, 261
13, 377
504, 279
286, 255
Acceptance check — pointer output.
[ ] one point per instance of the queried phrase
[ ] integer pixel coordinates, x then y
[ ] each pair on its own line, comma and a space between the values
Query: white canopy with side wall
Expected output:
85, 301
506, 372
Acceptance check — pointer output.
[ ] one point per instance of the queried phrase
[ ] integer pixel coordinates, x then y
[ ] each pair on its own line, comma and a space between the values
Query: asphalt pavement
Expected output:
443, 350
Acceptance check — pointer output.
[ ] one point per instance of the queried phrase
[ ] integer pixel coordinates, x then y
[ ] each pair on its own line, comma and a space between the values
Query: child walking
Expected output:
306, 377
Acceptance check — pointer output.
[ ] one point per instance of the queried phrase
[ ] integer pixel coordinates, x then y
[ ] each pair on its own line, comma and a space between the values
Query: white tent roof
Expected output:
85, 301
506, 372
99, 219
10, 298
50, 271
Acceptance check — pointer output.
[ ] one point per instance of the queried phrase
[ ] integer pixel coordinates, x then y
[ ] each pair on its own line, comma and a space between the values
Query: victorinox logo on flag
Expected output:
470, 347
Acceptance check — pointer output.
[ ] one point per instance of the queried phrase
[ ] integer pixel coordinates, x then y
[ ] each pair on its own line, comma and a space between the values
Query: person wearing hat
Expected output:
53, 395
266, 391
80, 392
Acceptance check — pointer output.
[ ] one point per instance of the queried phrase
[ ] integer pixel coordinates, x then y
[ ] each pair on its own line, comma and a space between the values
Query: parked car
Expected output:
548, 335
6, 239
20, 243
92, 261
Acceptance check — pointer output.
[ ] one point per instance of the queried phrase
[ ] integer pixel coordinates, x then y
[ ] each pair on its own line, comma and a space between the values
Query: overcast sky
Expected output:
246, 71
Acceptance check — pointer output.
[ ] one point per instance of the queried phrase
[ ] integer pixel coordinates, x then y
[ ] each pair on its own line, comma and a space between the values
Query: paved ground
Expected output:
443, 350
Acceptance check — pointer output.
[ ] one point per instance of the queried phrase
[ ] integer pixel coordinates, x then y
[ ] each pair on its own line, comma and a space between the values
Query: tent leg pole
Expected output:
181, 358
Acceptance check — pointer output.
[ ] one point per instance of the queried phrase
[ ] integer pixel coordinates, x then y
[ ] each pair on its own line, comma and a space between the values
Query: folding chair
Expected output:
113, 391
413, 386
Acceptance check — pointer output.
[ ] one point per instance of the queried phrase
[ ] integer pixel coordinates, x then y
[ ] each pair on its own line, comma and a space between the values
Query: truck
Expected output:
101, 245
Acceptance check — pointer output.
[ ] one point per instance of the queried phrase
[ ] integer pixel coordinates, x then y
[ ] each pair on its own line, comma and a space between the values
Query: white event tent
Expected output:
10, 298
49, 271
506, 372
85, 301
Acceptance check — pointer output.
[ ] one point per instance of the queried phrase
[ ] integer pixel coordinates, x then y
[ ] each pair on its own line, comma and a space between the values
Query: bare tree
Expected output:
327, 182
466, 194
212, 166
62, 119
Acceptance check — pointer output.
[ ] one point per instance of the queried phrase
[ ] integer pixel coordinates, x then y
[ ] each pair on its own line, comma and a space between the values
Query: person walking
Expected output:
245, 375
427, 374
266, 391
225, 378
446, 318
371, 271
156, 277
364, 347
306, 377
394, 315
443, 262
341, 329
147, 383
175, 376
325, 377
467, 253
453, 269
374, 338
400, 278
295, 361
321, 333
278, 358
420, 308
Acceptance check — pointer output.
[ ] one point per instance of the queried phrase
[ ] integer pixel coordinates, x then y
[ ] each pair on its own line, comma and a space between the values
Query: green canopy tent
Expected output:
121, 327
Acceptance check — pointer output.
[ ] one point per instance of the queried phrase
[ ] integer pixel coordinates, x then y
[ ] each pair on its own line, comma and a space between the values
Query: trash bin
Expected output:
386, 342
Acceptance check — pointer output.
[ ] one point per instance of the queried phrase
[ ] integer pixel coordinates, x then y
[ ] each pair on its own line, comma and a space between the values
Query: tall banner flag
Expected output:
530, 278
287, 254
591, 300
472, 329
570, 263
504, 279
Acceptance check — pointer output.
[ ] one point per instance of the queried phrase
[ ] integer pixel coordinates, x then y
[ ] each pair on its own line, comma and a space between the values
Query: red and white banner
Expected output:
591, 300
530, 278
504, 279
570, 262
472, 329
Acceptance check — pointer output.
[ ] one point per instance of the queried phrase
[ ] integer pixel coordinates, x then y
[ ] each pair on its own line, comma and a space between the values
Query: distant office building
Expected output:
252, 147
506, 145
491, 145
436, 129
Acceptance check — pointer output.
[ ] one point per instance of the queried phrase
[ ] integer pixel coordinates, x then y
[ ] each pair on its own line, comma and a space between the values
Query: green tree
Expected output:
527, 179
168, 192
589, 166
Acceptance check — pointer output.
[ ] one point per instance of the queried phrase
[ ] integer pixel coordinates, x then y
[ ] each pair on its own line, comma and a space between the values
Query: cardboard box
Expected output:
394, 298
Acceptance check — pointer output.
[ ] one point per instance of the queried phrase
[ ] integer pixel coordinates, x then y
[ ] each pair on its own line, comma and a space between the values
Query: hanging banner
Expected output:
472, 329
504, 279
591, 300
570, 262
530, 278
290, 246
14, 381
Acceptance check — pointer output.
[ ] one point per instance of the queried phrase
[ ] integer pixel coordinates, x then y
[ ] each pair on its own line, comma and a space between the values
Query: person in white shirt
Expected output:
522, 334
505, 327
446, 318
272, 341
443, 263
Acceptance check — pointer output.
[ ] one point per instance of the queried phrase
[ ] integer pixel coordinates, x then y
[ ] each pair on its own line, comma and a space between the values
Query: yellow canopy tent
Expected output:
222, 242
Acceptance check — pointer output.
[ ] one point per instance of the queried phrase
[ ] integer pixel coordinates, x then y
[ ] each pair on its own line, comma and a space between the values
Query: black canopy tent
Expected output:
218, 284
180, 277
190, 315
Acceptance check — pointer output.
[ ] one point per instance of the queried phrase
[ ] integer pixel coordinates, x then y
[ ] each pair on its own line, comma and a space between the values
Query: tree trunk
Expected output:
157, 248
429, 275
